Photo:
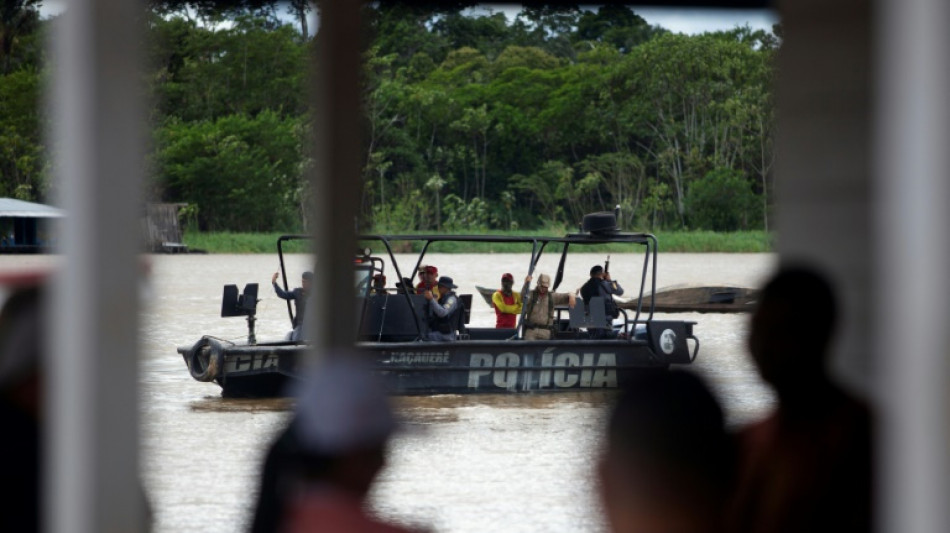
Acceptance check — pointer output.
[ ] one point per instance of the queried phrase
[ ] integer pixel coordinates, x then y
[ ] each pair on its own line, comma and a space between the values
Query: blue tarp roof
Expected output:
11, 207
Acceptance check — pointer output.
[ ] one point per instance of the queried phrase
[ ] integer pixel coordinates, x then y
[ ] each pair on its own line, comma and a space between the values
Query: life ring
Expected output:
206, 359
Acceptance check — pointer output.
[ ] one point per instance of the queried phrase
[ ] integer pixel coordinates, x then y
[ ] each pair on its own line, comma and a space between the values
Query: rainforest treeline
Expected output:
471, 120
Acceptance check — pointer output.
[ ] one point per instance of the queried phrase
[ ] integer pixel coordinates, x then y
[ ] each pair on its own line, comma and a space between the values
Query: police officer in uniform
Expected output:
443, 309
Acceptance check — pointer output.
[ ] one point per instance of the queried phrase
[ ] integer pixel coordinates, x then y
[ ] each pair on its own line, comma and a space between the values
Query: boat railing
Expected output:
417, 319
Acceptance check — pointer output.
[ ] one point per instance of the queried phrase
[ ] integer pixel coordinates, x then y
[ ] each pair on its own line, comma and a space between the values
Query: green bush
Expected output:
722, 200
241, 172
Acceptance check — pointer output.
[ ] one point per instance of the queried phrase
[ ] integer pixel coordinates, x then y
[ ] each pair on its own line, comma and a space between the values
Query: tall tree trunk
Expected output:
300, 6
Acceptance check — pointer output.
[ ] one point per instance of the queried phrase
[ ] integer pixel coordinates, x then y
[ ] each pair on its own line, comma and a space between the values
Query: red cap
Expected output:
432, 270
507, 275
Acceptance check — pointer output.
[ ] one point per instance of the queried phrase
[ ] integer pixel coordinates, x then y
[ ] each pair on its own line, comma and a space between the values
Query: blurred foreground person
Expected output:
668, 460
22, 383
21, 392
807, 466
319, 470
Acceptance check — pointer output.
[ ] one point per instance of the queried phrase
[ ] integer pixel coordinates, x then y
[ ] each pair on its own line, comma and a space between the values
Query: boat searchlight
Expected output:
244, 304
601, 223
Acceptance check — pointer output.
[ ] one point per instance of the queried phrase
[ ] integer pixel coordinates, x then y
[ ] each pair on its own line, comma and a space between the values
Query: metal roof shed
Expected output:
24, 226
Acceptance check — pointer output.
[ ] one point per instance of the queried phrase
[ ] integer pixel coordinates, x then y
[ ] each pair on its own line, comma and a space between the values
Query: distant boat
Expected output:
486, 293
701, 299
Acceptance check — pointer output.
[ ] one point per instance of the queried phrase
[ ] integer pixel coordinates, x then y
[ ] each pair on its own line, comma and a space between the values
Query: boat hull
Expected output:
461, 367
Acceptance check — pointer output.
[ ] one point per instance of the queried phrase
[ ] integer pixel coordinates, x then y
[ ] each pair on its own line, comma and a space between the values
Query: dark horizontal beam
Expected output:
725, 4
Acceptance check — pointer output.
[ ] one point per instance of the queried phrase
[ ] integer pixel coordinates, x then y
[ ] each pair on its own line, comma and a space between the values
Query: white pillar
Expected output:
912, 220
822, 163
92, 484
336, 179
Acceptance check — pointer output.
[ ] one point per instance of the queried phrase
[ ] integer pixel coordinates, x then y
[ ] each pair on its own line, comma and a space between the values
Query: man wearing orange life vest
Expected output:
507, 303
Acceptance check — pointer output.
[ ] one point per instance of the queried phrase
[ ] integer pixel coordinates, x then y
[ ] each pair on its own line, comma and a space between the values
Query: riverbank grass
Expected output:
224, 242
672, 241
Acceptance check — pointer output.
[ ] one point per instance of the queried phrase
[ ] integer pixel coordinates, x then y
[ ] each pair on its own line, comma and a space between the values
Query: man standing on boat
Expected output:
299, 296
539, 315
427, 280
443, 309
600, 284
507, 303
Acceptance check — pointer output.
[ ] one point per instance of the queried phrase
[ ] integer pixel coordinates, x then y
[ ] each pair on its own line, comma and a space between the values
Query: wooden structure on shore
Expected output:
161, 230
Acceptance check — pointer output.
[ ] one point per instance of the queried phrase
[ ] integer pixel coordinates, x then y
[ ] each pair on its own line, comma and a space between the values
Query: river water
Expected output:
518, 463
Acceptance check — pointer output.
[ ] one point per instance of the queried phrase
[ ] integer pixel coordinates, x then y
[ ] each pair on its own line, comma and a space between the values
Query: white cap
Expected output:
342, 406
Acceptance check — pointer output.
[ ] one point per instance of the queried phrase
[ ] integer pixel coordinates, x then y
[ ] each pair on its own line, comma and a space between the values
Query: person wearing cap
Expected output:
428, 280
299, 296
539, 314
379, 284
318, 472
442, 309
600, 284
507, 303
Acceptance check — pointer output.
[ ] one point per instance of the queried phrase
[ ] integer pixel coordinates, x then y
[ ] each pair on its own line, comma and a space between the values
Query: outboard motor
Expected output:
244, 304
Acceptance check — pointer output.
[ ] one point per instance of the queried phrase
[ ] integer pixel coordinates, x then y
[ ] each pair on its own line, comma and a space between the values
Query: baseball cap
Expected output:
507, 275
544, 280
342, 406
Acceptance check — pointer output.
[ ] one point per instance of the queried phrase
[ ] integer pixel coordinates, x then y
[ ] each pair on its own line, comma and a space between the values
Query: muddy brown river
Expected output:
516, 463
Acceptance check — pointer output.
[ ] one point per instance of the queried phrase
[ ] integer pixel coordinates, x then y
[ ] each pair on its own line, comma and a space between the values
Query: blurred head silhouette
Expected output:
21, 409
792, 327
343, 422
668, 459
20, 360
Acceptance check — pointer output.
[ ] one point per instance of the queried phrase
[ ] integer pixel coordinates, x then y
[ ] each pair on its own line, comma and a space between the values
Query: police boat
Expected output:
394, 326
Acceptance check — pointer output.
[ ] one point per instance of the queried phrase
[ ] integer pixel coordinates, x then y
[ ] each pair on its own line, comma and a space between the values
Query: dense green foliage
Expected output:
239, 171
24, 166
472, 122
563, 113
